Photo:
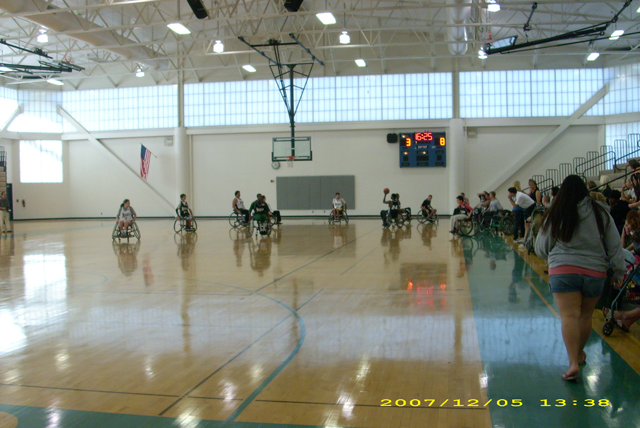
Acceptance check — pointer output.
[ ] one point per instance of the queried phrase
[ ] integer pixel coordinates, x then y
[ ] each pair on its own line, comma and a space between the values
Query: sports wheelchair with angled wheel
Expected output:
424, 217
261, 228
393, 222
132, 232
237, 220
343, 216
180, 225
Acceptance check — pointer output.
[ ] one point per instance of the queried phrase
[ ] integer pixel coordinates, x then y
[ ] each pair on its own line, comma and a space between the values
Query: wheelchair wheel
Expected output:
465, 227
607, 328
115, 233
422, 218
507, 225
136, 231
345, 217
177, 225
399, 221
332, 218
234, 219
194, 225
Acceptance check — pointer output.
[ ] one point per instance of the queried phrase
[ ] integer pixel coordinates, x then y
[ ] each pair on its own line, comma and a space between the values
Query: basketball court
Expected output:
347, 326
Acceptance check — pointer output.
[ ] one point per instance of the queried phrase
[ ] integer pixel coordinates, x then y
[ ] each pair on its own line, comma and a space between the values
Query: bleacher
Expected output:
610, 161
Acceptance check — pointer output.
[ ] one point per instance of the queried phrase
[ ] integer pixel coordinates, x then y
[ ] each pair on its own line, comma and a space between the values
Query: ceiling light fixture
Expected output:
218, 47
178, 28
249, 68
593, 56
139, 72
616, 35
361, 63
5, 69
42, 37
55, 82
493, 6
344, 38
326, 18
482, 54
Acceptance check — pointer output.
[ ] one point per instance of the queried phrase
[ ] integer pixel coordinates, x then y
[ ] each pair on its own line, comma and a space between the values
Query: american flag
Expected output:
145, 160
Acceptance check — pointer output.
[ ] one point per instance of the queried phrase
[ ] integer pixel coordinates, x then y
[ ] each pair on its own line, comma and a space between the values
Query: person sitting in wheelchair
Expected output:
462, 211
339, 205
238, 207
426, 209
183, 211
126, 217
494, 207
260, 213
392, 211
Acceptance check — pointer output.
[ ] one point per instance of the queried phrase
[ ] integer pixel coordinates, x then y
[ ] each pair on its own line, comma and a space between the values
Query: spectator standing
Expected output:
5, 218
619, 209
580, 241
520, 202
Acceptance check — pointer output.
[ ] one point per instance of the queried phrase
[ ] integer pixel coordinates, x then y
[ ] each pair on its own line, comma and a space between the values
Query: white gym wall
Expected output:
95, 185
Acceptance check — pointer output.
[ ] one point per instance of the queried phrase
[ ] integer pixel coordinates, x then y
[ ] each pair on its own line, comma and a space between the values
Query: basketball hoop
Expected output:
290, 160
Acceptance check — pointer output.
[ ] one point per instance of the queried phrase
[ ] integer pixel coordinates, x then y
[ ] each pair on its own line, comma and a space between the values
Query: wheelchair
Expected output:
343, 216
132, 232
394, 222
261, 228
423, 218
236, 220
180, 224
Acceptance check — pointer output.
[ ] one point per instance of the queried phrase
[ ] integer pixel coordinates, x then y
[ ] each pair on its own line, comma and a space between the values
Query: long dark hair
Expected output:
124, 202
563, 217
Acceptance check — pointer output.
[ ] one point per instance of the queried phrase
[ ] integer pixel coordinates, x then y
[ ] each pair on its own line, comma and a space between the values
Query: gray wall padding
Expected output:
314, 193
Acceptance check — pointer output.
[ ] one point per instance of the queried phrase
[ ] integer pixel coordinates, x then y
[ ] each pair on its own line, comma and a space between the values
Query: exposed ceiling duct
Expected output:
67, 21
458, 12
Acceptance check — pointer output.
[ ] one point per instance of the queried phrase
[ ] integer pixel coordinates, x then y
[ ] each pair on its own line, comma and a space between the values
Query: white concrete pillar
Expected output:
182, 148
456, 148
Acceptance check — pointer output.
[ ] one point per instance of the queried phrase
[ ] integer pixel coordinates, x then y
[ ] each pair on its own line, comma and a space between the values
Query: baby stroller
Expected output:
628, 294
534, 227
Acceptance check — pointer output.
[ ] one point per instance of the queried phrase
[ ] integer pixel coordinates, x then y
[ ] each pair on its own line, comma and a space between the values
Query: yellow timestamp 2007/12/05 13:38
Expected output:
514, 402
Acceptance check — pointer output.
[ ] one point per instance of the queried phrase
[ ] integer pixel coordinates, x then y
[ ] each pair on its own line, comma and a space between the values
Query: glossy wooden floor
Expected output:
317, 326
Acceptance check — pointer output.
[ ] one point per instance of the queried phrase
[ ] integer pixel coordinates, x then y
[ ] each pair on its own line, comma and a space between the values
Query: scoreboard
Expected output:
423, 149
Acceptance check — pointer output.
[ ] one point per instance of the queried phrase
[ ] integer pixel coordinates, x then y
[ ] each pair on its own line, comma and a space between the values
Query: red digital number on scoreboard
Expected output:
423, 136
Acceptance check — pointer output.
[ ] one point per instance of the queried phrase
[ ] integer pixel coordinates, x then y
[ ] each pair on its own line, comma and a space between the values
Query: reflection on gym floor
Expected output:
315, 325
127, 254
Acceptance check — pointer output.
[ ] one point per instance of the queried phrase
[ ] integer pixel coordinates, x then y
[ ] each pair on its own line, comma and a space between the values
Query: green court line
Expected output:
523, 355
38, 417
260, 388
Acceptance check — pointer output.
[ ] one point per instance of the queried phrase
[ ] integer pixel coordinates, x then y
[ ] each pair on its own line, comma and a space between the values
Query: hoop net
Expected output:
290, 160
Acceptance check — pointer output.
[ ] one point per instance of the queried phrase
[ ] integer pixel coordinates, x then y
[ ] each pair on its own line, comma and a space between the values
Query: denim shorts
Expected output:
567, 283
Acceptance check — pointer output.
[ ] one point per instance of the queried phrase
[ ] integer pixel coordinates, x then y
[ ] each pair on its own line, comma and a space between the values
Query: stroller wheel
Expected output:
607, 328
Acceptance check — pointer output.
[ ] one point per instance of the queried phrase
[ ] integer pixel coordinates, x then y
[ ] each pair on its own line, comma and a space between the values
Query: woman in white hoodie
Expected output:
581, 241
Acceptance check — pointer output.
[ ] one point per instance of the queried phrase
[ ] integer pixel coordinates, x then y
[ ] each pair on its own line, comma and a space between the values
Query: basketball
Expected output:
386, 191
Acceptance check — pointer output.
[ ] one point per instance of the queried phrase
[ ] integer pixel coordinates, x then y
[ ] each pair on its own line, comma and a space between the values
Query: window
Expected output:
41, 161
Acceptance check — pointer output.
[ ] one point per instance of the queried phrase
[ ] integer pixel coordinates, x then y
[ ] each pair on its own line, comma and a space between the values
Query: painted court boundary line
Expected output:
313, 261
278, 369
293, 353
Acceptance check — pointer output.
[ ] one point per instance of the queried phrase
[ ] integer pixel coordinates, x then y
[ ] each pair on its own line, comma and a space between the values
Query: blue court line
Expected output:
104, 280
291, 355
